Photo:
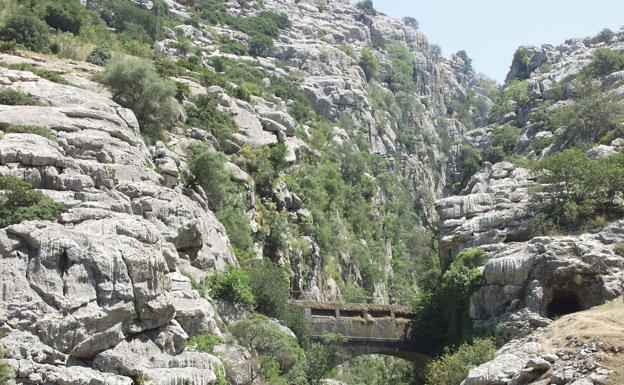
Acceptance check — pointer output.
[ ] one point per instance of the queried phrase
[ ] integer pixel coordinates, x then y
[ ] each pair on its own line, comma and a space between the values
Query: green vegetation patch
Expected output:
604, 62
204, 342
206, 115
135, 84
50, 75
37, 130
452, 368
20, 202
582, 191
11, 97
232, 285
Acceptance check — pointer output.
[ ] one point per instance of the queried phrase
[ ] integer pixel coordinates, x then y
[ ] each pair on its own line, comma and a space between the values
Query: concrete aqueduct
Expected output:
369, 329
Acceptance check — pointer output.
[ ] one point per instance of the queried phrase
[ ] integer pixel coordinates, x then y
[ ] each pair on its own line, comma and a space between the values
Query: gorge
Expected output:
181, 179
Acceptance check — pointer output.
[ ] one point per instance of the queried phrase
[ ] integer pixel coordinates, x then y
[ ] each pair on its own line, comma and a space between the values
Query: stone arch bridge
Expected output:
369, 328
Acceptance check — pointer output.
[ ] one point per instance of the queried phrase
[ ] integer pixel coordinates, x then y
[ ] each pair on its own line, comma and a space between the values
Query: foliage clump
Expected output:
442, 317
579, 189
20, 202
604, 62
232, 285
26, 29
204, 342
37, 130
366, 6
504, 140
369, 64
137, 85
514, 96
469, 163
9, 97
606, 35
205, 114
521, 57
100, 56
452, 368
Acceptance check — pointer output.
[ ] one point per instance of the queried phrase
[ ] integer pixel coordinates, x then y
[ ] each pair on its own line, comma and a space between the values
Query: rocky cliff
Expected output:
106, 294
372, 131
530, 280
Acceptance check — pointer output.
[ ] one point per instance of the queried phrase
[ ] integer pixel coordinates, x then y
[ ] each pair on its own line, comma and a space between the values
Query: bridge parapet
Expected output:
368, 328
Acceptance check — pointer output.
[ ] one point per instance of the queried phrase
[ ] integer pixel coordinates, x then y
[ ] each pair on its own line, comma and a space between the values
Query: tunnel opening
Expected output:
562, 303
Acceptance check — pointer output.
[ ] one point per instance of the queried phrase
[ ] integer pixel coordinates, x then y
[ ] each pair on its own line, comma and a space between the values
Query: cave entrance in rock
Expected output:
562, 303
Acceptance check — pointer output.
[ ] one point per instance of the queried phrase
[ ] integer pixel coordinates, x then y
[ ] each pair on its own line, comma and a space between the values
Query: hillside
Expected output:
172, 173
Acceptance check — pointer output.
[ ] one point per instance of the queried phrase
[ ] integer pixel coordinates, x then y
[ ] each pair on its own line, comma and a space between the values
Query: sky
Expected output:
491, 30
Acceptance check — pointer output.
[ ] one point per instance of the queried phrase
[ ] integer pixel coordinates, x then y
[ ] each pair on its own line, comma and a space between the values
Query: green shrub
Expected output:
7, 374
132, 21
204, 342
436, 50
619, 249
322, 356
271, 288
504, 140
141, 379
604, 62
401, 74
366, 6
65, 16
242, 93
521, 56
411, 22
606, 35
8, 46
465, 58
469, 257
209, 117
20, 202
208, 170
352, 293
10, 97
369, 64
37, 130
588, 117
516, 91
470, 161
52, 76
232, 46
265, 337
261, 45
68, 46
100, 56
581, 188
136, 85
238, 230
26, 29
183, 91
232, 285
442, 315
452, 368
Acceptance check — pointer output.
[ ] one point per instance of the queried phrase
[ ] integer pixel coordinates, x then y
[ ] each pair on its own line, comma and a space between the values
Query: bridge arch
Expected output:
368, 328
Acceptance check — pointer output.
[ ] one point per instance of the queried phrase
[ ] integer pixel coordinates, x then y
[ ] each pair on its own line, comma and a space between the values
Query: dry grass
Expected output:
603, 323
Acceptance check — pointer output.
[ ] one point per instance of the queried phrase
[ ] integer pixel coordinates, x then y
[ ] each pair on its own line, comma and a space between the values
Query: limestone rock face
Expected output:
493, 208
575, 349
539, 275
105, 284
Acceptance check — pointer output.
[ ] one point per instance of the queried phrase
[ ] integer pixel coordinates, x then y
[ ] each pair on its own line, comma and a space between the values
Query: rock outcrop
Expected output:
584, 348
106, 280
494, 208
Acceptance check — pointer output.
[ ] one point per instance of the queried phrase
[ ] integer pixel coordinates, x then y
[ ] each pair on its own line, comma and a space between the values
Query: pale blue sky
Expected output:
491, 30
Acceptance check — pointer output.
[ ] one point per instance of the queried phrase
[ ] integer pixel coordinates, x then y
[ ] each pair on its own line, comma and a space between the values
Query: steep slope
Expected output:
541, 255
333, 170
